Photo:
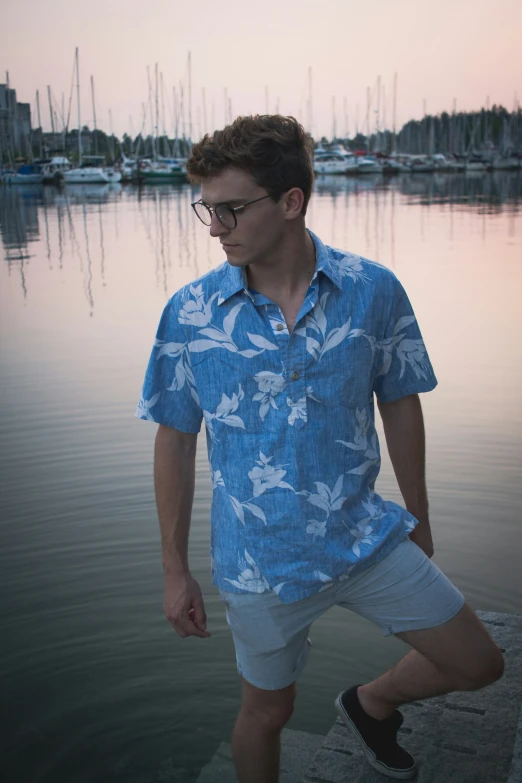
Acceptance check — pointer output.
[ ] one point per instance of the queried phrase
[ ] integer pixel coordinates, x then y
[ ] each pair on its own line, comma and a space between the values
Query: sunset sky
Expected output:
440, 51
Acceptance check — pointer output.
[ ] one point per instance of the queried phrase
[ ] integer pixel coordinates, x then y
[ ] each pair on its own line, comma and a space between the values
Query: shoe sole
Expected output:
397, 774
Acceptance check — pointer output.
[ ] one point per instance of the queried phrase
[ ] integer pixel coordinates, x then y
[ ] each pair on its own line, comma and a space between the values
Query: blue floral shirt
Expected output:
289, 417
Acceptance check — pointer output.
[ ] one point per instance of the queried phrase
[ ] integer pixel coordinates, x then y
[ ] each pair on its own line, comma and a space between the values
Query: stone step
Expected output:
297, 751
464, 737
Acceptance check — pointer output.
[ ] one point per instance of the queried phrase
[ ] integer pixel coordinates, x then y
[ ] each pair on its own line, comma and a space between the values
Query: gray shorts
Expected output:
404, 592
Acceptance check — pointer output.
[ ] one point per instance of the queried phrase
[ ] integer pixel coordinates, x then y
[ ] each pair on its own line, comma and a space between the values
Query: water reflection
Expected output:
74, 220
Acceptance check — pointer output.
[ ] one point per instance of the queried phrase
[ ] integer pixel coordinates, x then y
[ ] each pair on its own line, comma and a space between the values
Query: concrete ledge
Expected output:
297, 751
464, 737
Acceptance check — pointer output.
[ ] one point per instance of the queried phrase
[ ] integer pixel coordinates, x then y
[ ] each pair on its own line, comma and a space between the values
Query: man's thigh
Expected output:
461, 646
270, 637
406, 591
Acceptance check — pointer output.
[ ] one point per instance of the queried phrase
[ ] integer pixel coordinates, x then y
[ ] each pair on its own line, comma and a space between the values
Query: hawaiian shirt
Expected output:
289, 417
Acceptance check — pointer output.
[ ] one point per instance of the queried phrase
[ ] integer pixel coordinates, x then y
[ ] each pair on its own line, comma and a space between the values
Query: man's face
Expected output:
260, 226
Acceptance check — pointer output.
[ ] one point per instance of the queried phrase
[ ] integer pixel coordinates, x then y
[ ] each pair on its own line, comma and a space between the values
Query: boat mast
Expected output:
377, 117
394, 141
94, 118
190, 96
111, 143
156, 143
78, 97
39, 121
10, 130
50, 108
205, 128
310, 103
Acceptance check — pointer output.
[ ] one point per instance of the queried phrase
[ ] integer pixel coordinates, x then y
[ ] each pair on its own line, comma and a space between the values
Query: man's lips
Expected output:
225, 244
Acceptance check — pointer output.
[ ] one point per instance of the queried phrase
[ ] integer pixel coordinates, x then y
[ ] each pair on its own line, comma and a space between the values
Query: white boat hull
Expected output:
22, 179
335, 167
91, 176
368, 167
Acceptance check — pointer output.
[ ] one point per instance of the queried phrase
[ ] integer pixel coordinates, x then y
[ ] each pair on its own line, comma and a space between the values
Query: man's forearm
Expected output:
404, 429
174, 475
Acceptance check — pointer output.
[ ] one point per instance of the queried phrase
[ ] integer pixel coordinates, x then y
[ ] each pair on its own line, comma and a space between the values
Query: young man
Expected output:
281, 350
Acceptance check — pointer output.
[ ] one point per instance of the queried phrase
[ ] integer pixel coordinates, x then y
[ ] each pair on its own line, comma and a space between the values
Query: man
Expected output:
281, 351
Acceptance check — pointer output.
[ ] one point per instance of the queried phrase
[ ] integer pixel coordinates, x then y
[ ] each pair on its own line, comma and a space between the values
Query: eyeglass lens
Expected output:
223, 213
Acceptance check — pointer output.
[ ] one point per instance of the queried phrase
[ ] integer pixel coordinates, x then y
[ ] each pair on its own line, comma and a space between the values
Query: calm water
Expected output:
97, 686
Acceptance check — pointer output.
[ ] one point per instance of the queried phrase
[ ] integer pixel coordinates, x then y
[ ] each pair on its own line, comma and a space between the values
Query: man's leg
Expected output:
458, 655
256, 735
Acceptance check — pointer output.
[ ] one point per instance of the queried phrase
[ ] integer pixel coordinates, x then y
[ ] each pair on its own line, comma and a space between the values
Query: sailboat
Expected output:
87, 174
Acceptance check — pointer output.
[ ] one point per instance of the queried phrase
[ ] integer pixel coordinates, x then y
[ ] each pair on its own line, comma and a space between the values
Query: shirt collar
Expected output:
236, 279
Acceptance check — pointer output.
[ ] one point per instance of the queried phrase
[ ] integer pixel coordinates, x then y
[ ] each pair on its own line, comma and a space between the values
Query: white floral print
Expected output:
351, 266
298, 410
270, 384
249, 579
316, 528
329, 500
197, 312
325, 340
361, 443
267, 476
217, 479
144, 407
225, 412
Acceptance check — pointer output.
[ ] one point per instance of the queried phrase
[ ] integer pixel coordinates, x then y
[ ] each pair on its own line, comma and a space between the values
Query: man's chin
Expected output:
233, 260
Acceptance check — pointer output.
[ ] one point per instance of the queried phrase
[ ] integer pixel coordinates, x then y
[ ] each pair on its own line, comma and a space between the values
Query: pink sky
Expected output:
441, 51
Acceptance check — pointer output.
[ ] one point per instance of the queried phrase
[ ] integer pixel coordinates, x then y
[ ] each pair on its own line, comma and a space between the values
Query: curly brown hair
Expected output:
275, 150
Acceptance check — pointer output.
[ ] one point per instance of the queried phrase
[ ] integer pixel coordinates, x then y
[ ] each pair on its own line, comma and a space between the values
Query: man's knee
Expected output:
487, 670
271, 710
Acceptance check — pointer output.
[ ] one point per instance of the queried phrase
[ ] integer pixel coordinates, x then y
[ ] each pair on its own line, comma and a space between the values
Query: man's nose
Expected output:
217, 229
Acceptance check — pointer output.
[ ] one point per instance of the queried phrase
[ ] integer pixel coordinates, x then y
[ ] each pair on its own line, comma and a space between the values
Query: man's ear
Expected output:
293, 203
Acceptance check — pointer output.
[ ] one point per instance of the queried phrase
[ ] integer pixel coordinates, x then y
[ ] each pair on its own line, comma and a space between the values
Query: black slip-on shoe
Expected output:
377, 737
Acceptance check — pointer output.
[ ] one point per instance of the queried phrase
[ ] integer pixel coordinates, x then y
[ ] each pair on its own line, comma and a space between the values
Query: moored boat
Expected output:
368, 164
27, 174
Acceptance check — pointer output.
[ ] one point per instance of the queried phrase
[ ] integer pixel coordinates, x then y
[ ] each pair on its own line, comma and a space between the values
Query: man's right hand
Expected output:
183, 605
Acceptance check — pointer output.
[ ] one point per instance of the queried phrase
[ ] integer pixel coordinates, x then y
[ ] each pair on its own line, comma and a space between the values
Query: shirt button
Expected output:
280, 327
295, 376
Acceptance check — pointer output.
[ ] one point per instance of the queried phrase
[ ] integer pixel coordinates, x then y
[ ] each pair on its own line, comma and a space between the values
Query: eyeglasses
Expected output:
225, 214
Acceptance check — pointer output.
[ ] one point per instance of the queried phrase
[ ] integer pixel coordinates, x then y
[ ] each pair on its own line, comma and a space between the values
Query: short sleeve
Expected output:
169, 395
402, 365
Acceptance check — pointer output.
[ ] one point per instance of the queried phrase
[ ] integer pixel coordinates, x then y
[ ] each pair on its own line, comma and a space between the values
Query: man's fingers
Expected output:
198, 614
185, 626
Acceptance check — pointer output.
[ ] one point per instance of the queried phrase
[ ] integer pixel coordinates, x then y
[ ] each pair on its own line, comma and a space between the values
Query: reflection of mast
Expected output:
60, 238
102, 248
47, 234
88, 282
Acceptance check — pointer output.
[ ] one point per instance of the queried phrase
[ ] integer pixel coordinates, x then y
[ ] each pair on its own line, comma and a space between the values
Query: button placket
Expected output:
296, 387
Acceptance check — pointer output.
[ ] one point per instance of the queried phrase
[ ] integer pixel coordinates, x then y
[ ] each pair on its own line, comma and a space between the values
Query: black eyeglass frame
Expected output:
212, 210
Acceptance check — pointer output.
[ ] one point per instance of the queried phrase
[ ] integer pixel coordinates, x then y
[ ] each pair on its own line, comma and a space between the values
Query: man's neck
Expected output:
289, 270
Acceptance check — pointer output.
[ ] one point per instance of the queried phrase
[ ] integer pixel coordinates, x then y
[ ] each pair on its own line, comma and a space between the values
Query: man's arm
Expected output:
404, 430
174, 476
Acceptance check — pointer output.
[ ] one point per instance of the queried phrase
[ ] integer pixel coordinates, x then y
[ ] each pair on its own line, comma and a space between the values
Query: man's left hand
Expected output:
421, 535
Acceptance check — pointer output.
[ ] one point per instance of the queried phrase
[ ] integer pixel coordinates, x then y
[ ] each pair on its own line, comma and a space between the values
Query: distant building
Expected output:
15, 124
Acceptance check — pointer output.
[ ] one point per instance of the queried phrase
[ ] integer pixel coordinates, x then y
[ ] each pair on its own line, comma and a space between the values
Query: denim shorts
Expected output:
404, 592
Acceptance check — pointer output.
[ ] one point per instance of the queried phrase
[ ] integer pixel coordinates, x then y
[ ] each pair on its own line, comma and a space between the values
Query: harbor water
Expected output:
96, 684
